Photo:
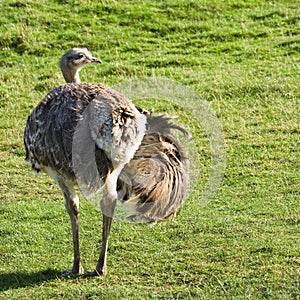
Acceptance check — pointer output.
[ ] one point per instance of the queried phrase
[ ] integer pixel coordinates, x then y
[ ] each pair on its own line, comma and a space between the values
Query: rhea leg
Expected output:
101, 264
108, 203
72, 206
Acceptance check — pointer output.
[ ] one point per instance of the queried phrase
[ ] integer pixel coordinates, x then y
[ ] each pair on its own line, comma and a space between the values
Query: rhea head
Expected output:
72, 61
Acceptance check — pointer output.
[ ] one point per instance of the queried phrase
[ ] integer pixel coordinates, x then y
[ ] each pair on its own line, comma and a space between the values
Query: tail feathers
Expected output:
153, 185
163, 125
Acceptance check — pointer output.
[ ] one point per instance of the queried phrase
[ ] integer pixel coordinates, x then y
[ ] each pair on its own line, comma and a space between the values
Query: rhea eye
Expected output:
80, 55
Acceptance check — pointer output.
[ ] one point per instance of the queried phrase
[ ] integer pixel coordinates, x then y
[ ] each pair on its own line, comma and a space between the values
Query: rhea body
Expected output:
137, 159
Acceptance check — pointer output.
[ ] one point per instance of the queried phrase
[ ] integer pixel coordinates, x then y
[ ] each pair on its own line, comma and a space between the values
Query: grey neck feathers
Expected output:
70, 74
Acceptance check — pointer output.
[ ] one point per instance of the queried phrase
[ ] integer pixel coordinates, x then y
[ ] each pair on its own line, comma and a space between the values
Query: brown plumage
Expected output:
138, 160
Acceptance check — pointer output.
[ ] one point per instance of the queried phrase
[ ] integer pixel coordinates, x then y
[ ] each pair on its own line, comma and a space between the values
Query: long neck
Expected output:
70, 74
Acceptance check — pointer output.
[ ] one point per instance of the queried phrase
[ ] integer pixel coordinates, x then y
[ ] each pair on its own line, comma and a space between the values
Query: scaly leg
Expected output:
72, 206
108, 204
101, 265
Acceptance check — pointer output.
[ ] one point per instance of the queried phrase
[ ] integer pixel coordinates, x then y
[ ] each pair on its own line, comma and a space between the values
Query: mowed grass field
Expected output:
243, 57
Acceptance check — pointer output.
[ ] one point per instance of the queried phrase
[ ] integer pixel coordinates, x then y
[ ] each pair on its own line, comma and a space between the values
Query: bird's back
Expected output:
50, 128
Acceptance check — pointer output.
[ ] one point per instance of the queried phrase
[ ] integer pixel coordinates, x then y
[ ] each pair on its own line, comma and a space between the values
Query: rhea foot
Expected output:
95, 273
72, 272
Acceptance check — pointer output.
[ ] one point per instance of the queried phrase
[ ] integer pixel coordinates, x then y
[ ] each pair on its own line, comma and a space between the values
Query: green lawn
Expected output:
243, 57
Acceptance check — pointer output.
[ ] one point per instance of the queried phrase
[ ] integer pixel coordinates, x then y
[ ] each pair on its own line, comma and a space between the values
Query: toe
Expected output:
93, 273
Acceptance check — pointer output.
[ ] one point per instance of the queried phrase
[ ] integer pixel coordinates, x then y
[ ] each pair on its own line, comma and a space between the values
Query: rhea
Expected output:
89, 135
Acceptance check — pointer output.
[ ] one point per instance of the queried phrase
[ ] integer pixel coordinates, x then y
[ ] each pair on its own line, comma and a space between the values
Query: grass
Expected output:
243, 58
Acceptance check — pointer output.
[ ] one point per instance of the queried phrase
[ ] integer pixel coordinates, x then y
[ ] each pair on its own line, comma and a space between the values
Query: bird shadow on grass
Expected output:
23, 279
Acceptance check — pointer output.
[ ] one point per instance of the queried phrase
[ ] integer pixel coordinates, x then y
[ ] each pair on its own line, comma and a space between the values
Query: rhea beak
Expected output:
96, 60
